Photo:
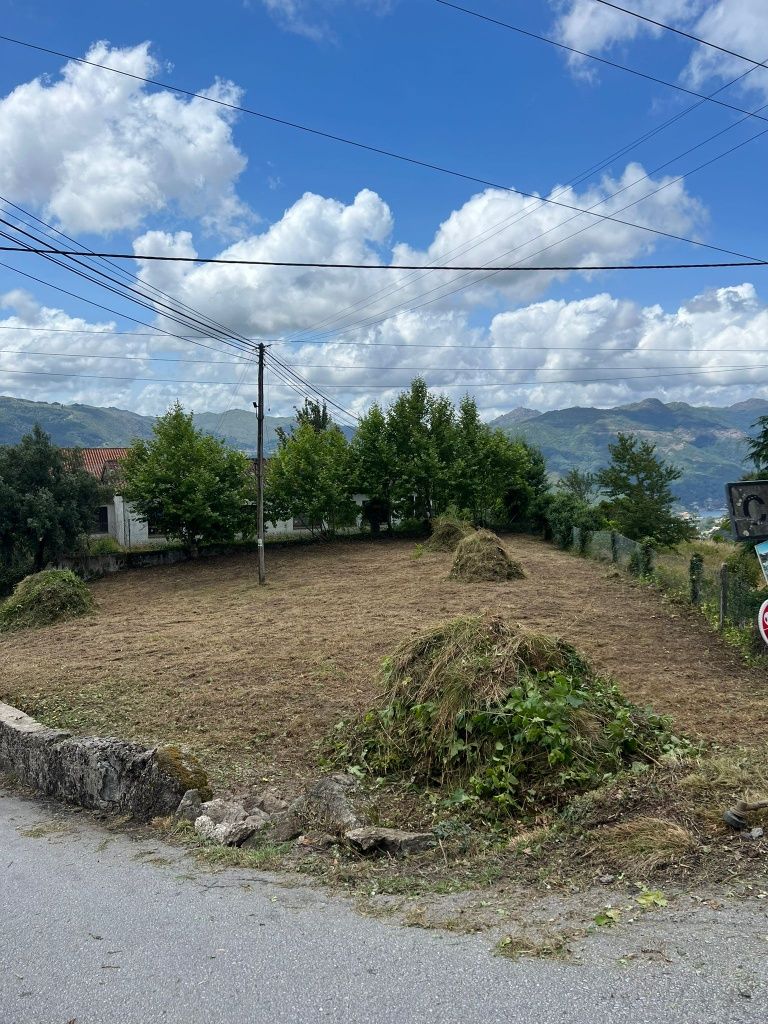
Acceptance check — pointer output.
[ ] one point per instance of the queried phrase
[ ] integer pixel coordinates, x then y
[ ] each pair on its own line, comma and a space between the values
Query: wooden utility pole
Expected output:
260, 468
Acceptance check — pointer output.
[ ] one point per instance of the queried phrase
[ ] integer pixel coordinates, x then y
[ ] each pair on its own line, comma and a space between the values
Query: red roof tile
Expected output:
95, 459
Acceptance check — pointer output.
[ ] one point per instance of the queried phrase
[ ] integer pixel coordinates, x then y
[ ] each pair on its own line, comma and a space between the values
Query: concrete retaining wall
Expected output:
100, 773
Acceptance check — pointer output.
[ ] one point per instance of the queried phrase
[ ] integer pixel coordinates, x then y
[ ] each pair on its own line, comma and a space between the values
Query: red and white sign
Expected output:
762, 621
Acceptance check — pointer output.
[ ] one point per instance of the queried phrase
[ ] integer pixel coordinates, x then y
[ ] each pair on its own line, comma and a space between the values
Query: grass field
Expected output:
252, 679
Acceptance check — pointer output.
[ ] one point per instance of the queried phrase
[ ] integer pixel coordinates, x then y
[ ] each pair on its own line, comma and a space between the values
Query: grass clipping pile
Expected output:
45, 597
447, 533
481, 556
510, 720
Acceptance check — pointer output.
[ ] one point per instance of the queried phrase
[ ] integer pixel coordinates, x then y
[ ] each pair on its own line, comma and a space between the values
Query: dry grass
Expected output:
447, 533
249, 677
481, 556
643, 845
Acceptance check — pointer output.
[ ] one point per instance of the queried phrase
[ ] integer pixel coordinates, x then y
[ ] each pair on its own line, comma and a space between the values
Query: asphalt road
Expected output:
101, 929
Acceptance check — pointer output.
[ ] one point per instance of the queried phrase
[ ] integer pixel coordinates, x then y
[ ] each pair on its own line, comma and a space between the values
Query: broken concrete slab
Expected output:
219, 810
100, 773
224, 833
393, 841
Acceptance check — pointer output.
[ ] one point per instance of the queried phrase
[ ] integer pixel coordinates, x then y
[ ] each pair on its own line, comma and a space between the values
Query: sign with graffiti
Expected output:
748, 508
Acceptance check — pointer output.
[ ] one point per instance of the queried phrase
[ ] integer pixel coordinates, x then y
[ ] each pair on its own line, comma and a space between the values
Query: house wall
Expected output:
124, 525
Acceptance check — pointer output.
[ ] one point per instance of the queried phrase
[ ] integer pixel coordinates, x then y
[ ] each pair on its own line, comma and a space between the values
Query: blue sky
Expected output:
124, 167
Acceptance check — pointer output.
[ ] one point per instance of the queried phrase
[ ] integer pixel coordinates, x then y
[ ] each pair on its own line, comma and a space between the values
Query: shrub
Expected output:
515, 719
45, 597
104, 546
482, 556
448, 531
564, 511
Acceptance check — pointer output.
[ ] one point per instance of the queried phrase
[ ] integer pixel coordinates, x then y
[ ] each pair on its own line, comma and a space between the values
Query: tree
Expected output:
311, 413
47, 504
758, 446
420, 431
310, 477
639, 498
372, 466
190, 484
582, 485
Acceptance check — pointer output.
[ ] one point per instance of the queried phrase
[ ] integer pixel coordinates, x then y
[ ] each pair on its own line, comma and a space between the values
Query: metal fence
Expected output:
608, 546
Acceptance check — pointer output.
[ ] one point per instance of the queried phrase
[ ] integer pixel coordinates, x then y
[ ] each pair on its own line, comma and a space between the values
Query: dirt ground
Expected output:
252, 678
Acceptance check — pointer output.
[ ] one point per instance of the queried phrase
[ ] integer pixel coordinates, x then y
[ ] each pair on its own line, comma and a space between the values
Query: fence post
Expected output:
723, 610
695, 571
614, 547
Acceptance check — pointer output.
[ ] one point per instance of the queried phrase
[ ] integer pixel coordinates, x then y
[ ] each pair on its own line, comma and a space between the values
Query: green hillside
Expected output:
707, 443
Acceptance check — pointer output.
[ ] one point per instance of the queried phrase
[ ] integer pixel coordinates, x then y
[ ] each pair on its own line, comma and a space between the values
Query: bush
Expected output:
45, 597
743, 564
517, 719
447, 532
564, 511
482, 556
104, 546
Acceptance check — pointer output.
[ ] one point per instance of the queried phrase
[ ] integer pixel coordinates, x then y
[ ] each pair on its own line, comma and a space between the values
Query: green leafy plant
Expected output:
511, 718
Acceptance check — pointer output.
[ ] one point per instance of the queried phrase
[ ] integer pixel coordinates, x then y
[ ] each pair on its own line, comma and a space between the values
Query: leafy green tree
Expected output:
190, 484
564, 510
758, 447
581, 484
310, 476
421, 433
373, 467
47, 504
639, 498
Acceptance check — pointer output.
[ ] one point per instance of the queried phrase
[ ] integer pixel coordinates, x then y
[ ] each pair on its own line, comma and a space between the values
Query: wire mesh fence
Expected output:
607, 546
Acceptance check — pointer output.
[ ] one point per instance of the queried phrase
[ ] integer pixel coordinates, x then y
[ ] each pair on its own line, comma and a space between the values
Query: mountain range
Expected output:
706, 442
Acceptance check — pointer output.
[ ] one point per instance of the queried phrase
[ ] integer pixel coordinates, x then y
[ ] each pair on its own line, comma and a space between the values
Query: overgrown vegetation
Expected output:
47, 505
481, 556
495, 715
45, 597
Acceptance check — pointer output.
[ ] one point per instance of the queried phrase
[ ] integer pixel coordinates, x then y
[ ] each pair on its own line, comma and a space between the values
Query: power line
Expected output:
382, 344
601, 60
189, 321
393, 387
249, 364
404, 158
680, 32
515, 267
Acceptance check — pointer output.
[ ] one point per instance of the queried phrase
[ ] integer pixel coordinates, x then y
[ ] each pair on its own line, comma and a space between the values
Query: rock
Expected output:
326, 806
755, 833
257, 822
607, 879
190, 807
101, 773
373, 839
316, 843
225, 833
219, 810
268, 801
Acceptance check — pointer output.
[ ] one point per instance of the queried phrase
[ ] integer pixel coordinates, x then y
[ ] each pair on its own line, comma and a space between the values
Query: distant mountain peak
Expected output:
518, 415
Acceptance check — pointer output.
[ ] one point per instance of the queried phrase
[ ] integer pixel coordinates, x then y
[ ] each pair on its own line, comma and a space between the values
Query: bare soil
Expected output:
253, 678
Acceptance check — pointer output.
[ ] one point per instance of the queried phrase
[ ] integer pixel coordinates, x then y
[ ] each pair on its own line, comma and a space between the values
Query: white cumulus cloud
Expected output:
100, 152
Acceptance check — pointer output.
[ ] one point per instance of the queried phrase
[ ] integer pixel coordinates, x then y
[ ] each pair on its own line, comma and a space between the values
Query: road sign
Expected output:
747, 503
762, 621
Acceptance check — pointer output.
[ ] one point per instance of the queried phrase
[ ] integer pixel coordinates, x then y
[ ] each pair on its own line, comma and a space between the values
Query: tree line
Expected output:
406, 464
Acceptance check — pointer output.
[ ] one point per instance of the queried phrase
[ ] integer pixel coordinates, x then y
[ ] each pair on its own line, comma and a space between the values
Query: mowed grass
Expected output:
252, 679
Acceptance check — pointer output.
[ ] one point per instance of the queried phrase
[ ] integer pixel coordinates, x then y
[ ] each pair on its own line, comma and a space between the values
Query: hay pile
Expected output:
481, 556
447, 532
45, 597
502, 716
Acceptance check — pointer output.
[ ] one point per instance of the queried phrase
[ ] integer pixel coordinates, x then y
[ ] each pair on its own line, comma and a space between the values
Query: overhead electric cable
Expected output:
387, 152
393, 266
681, 32
393, 387
600, 60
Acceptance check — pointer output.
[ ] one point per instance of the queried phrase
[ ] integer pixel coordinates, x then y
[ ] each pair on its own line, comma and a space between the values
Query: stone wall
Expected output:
100, 773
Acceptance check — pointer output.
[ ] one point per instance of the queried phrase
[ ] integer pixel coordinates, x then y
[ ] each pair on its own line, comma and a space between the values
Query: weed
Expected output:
482, 556
43, 598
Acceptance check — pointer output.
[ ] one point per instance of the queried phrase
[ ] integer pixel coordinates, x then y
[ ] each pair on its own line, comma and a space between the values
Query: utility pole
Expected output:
260, 468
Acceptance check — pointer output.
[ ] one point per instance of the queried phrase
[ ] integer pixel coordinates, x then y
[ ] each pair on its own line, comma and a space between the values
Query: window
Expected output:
101, 520
301, 523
